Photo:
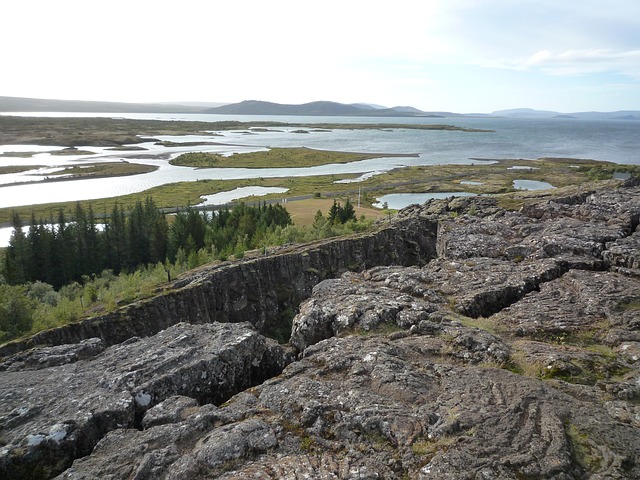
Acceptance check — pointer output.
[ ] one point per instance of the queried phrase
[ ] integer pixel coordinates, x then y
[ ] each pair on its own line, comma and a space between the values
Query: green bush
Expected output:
16, 311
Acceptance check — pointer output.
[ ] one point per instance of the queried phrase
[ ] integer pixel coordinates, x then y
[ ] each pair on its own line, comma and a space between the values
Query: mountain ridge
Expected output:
10, 104
590, 115
320, 108
26, 104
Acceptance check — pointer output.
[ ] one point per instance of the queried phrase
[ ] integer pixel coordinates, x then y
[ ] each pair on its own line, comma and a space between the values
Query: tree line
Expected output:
65, 251
54, 273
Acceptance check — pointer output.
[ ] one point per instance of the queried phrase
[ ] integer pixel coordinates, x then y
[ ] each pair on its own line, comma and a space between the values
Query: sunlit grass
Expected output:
273, 158
495, 179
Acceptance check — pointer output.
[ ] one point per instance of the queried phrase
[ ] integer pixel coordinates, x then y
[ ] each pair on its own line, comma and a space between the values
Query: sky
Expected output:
466, 56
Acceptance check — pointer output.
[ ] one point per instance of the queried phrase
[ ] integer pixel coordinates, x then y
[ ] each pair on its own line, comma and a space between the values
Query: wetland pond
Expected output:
531, 185
510, 138
396, 201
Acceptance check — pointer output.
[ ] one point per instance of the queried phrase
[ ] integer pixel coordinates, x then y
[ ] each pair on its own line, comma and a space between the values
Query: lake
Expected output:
616, 141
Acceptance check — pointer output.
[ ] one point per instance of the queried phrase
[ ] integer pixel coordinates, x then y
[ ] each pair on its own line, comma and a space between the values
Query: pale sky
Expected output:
453, 55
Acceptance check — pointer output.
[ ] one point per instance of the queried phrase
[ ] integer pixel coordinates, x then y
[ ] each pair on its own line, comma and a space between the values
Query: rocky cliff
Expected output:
460, 341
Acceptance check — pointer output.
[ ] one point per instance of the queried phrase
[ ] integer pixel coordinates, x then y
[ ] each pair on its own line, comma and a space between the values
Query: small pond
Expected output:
531, 185
222, 198
397, 201
621, 175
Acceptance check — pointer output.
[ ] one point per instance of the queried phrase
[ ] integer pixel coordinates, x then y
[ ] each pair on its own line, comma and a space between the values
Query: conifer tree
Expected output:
333, 214
17, 254
347, 212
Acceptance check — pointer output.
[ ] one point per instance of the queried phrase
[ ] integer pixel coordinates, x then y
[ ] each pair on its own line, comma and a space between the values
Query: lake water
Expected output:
531, 185
397, 201
616, 141
240, 192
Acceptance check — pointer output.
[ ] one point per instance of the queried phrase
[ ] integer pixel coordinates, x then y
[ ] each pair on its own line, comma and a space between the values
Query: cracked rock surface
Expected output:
50, 416
515, 354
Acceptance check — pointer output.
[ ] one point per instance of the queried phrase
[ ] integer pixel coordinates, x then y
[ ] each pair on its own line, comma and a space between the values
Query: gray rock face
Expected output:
514, 354
624, 253
375, 407
61, 412
255, 290
51, 356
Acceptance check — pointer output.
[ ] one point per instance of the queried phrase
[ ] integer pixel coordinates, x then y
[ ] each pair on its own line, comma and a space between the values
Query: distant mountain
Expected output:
531, 113
525, 112
369, 105
21, 104
194, 104
619, 115
257, 107
407, 109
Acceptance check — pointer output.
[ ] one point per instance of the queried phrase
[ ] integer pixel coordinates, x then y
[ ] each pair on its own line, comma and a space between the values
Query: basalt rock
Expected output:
264, 291
375, 407
482, 343
50, 416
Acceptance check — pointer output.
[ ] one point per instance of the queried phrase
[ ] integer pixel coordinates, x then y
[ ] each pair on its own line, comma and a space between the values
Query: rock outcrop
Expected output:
51, 415
264, 291
489, 344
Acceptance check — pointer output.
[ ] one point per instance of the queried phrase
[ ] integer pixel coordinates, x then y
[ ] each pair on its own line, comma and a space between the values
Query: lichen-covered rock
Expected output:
624, 252
370, 406
44, 357
171, 410
579, 303
515, 354
61, 412
351, 302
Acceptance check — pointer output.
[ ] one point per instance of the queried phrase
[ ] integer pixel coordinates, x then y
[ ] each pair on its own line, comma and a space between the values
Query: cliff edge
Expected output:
459, 341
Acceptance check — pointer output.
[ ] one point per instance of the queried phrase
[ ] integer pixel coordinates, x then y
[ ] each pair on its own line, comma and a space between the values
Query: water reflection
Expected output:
397, 201
531, 185
240, 192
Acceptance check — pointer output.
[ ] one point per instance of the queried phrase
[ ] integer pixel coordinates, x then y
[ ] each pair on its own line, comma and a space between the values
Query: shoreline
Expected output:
89, 176
112, 132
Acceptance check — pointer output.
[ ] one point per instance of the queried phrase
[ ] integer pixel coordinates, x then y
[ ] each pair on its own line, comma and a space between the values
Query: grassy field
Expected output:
17, 169
107, 169
303, 212
495, 179
275, 158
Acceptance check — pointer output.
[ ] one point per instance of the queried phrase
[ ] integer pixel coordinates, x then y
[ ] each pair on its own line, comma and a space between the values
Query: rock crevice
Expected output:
460, 341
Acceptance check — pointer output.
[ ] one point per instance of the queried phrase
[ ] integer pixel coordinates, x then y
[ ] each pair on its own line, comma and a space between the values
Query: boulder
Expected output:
513, 354
50, 416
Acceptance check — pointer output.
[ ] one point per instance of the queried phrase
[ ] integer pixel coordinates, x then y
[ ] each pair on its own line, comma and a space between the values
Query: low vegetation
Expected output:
273, 158
55, 275
113, 132
495, 178
17, 168
140, 249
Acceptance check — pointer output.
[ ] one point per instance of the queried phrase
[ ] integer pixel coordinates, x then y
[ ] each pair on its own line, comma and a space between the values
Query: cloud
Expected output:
548, 37
401, 52
571, 62
582, 62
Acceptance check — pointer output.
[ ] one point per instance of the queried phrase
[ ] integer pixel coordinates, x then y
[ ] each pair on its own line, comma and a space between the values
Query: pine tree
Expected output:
63, 248
347, 212
17, 255
137, 237
118, 247
334, 211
